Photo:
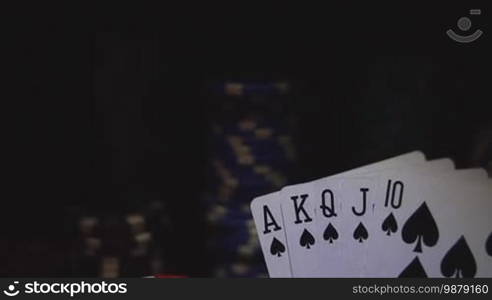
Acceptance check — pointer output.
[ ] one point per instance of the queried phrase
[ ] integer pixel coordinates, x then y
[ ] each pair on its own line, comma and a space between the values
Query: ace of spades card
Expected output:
271, 233
426, 219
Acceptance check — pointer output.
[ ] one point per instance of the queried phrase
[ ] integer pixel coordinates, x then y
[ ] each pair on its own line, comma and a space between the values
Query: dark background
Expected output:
106, 105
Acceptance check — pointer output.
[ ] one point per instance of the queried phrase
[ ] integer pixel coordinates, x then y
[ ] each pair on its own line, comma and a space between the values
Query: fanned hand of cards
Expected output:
401, 217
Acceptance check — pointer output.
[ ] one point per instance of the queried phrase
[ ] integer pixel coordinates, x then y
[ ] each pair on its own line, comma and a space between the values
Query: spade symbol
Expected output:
414, 270
330, 233
421, 226
389, 225
360, 233
459, 261
277, 248
488, 245
307, 239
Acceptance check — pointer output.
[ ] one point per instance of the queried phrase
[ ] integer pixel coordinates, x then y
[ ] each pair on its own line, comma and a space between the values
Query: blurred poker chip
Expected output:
252, 153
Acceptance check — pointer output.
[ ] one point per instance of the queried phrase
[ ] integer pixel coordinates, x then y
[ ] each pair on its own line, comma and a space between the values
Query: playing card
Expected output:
299, 228
351, 201
350, 224
464, 225
418, 211
267, 216
462, 214
268, 219
474, 175
355, 238
385, 197
298, 204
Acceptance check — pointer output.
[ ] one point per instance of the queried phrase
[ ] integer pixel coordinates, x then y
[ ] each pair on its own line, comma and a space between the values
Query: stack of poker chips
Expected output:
116, 245
251, 153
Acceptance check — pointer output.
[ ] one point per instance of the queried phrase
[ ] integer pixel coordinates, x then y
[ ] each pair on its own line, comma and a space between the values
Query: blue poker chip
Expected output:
228, 227
265, 136
226, 196
234, 162
223, 216
232, 159
228, 250
255, 128
235, 134
236, 201
233, 212
247, 177
230, 239
253, 154
235, 227
259, 176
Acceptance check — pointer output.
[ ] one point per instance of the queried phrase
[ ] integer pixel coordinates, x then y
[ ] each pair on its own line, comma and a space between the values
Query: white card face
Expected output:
463, 232
281, 266
416, 220
298, 204
388, 193
391, 194
343, 202
330, 212
357, 197
271, 233
299, 224
472, 175
403, 216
